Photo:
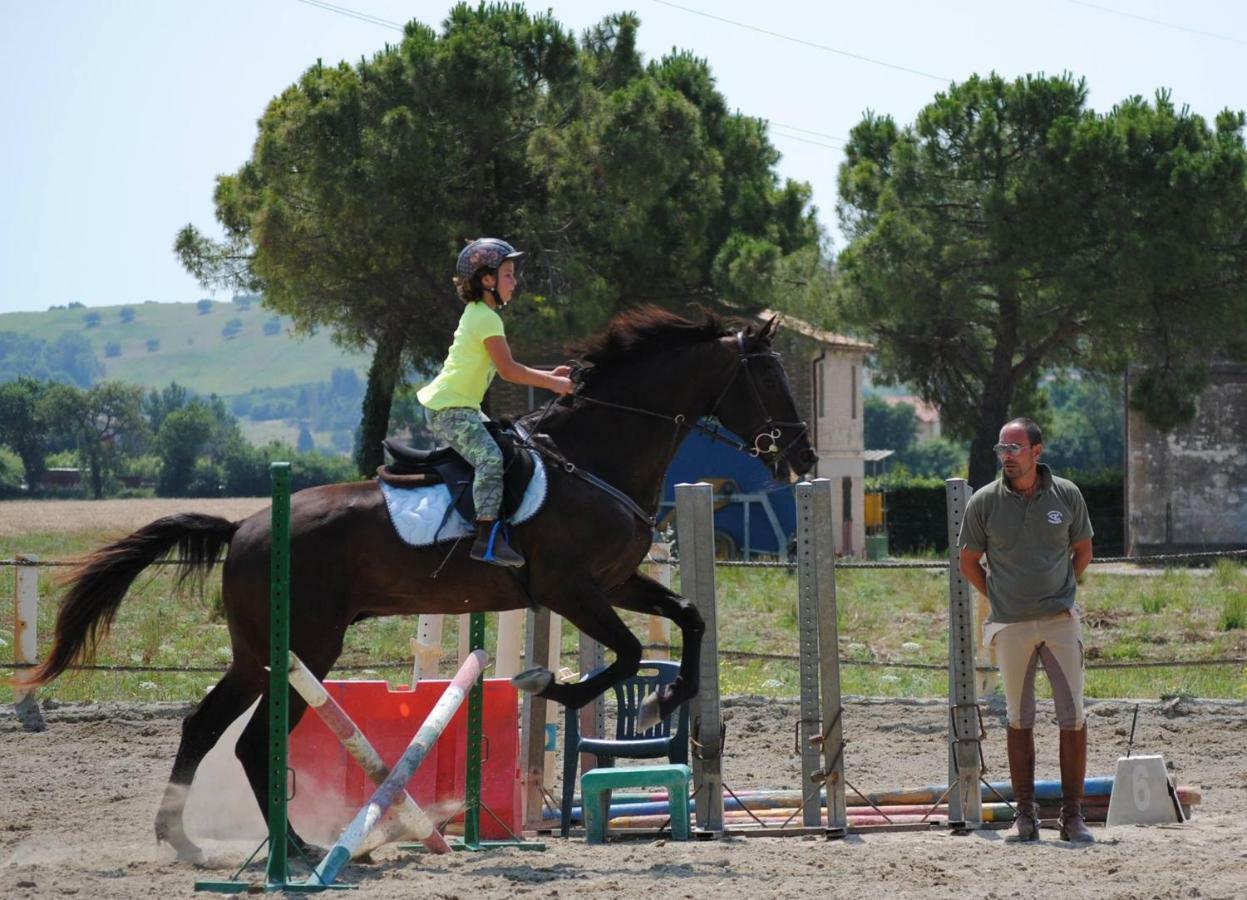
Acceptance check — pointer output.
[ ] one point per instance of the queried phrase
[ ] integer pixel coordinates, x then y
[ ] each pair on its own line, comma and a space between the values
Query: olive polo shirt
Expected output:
1030, 574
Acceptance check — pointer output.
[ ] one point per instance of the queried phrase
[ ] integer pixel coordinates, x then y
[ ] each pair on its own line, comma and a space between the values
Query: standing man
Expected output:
1034, 529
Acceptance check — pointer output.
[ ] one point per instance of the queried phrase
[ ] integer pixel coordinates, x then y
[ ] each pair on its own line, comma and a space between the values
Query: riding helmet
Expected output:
485, 254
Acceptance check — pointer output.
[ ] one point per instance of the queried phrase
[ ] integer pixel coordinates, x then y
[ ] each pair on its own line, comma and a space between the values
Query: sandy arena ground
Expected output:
77, 804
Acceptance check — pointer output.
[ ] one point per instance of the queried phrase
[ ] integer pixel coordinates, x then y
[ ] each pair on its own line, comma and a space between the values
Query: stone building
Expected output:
826, 374
825, 371
1187, 490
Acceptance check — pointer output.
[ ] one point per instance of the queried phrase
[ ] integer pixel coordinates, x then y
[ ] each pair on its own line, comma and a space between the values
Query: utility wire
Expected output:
804, 140
354, 14
804, 42
386, 23
822, 134
1161, 22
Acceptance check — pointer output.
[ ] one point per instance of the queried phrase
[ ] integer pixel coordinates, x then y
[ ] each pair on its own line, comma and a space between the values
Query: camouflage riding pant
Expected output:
463, 429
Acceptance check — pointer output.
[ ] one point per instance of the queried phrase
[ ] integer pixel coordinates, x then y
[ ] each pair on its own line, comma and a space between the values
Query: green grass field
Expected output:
192, 350
884, 617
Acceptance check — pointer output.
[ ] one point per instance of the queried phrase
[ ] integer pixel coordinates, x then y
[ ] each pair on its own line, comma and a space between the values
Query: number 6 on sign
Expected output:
1142, 793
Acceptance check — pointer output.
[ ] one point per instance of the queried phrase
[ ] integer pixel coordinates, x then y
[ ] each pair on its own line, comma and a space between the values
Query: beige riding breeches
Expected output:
1057, 640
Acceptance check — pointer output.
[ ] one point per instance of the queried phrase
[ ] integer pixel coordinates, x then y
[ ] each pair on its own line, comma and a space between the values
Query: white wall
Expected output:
838, 426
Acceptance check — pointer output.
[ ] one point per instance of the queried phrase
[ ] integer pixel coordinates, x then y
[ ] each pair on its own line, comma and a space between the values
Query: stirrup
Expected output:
495, 549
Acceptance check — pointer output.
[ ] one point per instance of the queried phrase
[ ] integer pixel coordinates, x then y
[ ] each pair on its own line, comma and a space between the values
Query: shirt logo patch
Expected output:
1054, 516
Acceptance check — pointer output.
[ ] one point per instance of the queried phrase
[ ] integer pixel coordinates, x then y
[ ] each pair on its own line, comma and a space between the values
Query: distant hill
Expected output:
277, 384
191, 348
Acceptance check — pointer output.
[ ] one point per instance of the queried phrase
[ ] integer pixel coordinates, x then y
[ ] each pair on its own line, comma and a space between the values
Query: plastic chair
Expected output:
661, 741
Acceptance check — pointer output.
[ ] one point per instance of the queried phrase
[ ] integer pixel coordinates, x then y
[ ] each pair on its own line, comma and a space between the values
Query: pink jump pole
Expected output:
385, 796
411, 820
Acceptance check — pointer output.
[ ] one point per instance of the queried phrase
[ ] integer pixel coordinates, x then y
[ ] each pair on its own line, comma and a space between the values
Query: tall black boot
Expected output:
1021, 744
491, 545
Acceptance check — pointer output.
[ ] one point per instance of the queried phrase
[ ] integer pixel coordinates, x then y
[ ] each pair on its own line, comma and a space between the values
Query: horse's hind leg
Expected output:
252, 747
200, 732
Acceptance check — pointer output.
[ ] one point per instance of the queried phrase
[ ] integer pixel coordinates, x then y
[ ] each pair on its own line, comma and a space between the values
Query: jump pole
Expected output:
410, 818
393, 785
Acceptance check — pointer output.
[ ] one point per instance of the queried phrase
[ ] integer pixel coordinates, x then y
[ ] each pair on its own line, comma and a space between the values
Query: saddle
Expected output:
413, 468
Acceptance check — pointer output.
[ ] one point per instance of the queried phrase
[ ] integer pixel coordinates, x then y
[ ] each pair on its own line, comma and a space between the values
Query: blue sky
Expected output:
117, 116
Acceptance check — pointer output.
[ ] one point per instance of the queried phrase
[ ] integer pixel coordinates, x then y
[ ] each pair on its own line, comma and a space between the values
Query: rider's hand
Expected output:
561, 371
561, 384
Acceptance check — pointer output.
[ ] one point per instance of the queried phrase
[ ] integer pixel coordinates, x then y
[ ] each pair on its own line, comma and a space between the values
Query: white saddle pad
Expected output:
417, 513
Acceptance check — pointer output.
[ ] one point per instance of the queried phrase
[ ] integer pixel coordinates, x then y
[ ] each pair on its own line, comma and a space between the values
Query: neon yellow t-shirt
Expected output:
468, 369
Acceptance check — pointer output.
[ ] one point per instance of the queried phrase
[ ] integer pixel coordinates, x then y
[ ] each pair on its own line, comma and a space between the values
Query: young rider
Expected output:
486, 280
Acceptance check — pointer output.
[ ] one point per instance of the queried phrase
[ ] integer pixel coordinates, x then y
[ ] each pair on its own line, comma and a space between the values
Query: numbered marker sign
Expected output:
1142, 793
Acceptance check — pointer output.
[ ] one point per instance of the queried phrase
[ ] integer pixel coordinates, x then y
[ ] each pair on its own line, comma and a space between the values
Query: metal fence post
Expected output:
25, 638
965, 802
592, 715
533, 720
822, 728
694, 505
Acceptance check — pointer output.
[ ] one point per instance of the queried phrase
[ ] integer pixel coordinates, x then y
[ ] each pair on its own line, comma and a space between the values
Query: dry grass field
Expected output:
19, 517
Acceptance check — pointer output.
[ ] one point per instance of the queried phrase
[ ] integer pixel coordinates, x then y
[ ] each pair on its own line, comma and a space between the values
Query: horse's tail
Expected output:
100, 580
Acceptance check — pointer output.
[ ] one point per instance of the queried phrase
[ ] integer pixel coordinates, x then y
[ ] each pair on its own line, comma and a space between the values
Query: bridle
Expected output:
772, 428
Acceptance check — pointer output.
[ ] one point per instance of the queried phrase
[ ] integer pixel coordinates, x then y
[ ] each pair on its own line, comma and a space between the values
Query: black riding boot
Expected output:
491, 545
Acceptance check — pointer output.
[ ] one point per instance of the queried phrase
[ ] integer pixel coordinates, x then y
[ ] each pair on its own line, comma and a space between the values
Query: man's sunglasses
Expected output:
1003, 450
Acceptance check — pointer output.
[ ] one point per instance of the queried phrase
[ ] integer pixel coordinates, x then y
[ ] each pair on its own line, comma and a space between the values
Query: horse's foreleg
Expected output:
200, 732
643, 594
591, 614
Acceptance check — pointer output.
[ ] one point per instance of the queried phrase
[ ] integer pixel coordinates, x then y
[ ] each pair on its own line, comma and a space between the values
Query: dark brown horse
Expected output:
643, 383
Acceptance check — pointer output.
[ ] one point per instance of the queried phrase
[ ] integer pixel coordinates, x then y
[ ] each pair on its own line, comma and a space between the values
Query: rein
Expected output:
771, 430
771, 427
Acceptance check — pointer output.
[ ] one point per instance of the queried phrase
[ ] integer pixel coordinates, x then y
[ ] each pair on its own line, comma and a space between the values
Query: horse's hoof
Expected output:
533, 681
313, 854
188, 852
186, 849
650, 715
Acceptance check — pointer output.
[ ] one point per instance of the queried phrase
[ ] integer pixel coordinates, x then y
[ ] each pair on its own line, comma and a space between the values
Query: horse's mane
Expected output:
643, 331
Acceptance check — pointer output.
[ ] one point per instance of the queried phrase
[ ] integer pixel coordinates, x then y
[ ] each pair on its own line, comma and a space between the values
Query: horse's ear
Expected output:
761, 335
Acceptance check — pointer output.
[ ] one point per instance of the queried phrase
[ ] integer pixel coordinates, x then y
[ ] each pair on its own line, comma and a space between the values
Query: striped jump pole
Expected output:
411, 819
386, 795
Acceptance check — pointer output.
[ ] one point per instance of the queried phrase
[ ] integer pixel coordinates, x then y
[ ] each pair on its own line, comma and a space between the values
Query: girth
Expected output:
421, 468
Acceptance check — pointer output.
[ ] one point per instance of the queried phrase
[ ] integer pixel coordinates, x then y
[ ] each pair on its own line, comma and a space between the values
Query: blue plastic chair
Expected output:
668, 739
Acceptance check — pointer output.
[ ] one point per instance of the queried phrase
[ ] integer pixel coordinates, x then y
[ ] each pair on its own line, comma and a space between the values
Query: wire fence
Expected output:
1146, 560
749, 655
727, 654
